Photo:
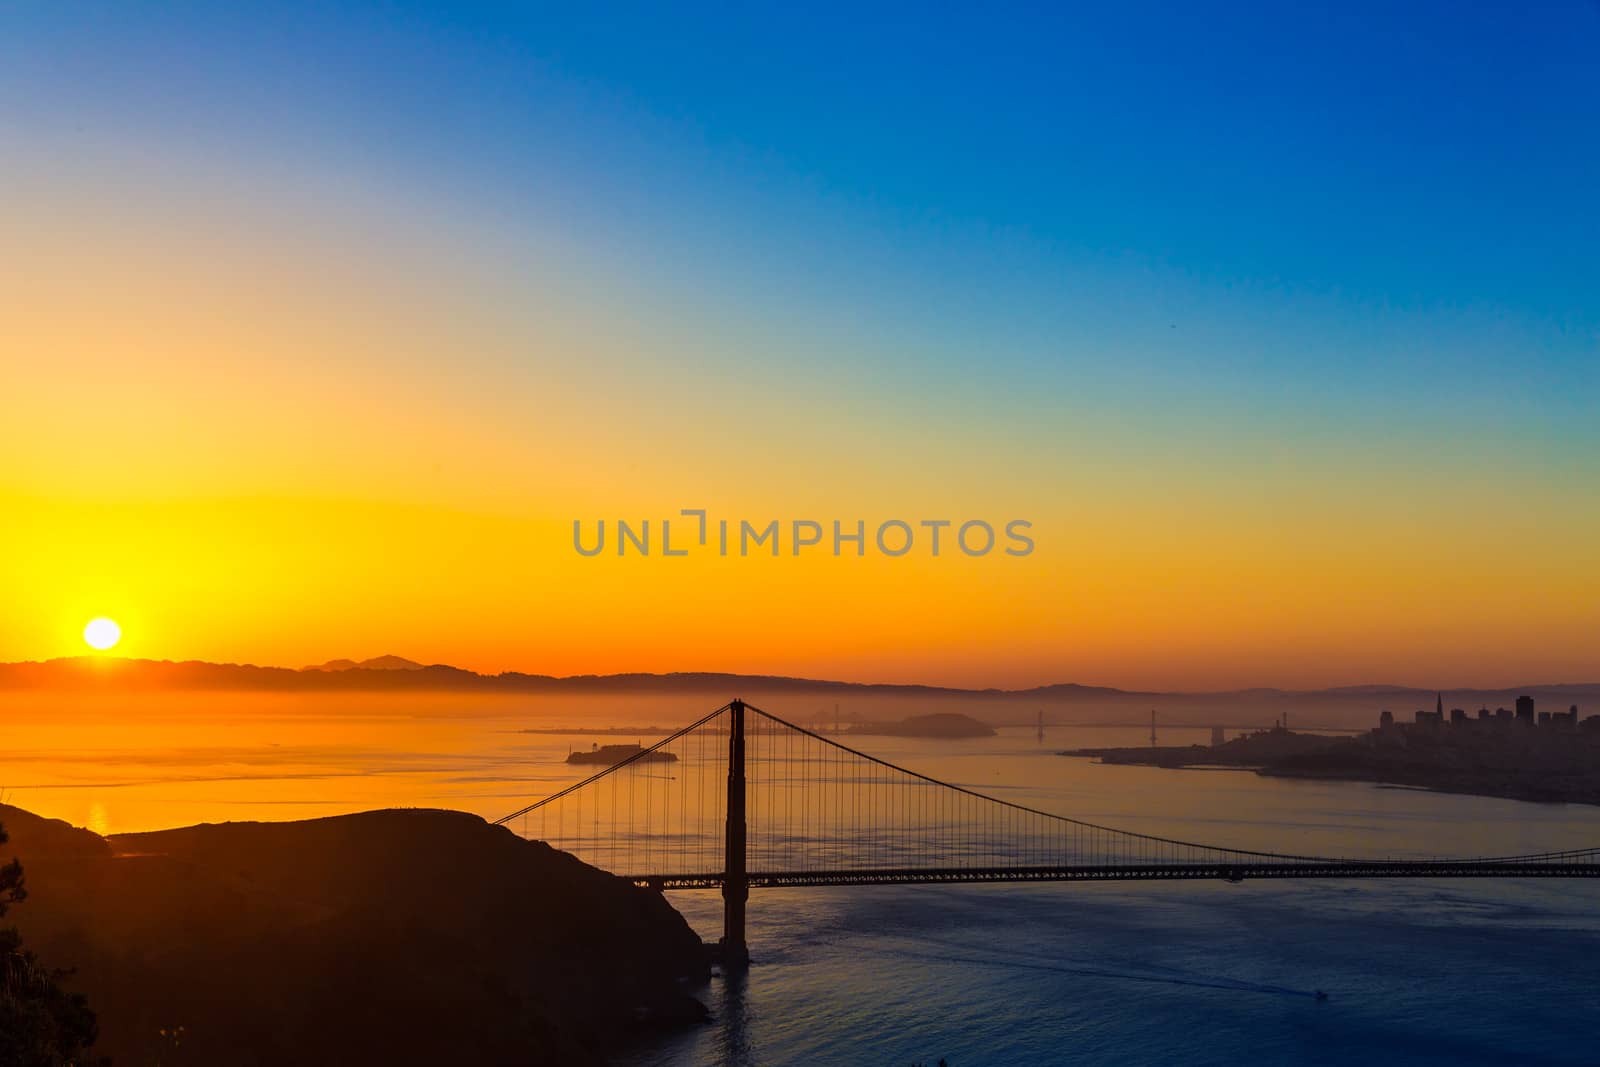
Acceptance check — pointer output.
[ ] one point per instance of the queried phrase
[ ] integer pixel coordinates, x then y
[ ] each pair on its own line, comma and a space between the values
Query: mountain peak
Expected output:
377, 663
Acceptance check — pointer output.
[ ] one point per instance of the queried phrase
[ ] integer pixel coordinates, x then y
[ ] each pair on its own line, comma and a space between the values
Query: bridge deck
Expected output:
1157, 872
807, 810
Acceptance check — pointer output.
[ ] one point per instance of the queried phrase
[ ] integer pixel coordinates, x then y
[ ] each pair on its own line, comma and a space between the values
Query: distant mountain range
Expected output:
395, 673
377, 663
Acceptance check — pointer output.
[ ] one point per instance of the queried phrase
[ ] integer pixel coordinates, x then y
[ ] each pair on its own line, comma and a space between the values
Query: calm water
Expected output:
1443, 972
1418, 972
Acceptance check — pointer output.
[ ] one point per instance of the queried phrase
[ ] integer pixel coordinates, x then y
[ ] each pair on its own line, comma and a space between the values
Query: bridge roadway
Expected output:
866, 787
1149, 872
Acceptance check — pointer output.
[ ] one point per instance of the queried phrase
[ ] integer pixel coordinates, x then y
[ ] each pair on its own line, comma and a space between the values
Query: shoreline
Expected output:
1587, 793
1526, 792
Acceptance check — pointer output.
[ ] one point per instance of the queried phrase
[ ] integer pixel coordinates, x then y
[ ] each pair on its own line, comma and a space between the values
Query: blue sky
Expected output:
1443, 155
1338, 212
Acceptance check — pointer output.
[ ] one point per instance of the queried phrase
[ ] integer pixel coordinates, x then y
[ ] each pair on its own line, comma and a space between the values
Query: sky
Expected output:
322, 324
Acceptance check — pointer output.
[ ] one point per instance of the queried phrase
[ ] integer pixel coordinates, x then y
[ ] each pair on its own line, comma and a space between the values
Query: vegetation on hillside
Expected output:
41, 1024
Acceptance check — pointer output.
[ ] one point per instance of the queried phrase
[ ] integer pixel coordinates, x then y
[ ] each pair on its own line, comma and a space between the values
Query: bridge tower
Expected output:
735, 877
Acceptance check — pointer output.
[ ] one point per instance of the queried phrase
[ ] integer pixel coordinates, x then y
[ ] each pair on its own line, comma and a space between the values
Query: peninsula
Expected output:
1519, 753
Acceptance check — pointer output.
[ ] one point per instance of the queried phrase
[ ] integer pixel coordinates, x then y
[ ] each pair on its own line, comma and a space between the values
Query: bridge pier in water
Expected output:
735, 874
825, 814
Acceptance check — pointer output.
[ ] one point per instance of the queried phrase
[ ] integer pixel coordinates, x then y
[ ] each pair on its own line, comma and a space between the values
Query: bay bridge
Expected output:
742, 799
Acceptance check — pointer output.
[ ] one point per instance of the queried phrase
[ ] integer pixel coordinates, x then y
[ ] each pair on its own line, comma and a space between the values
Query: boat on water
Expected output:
612, 754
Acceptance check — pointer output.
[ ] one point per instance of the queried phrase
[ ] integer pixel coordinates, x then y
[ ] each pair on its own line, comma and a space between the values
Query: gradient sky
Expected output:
321, 325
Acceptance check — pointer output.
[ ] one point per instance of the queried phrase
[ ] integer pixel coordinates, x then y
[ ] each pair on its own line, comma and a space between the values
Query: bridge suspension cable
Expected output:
818, 811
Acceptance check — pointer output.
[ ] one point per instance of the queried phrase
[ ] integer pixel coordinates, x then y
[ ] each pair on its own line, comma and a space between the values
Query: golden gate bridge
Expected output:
743, 799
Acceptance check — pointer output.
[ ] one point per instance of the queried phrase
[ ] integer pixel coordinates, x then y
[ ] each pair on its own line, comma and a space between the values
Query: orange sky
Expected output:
238, 465
294, 581
280, 409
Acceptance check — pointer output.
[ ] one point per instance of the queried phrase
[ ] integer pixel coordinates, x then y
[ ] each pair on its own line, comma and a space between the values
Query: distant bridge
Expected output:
741, 798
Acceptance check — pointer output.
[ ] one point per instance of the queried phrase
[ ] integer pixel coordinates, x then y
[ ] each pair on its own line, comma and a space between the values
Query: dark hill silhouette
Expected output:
386, 937
395, 672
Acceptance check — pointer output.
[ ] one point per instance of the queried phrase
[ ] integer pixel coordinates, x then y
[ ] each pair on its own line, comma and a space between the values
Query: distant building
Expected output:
1217, 736
1485, 726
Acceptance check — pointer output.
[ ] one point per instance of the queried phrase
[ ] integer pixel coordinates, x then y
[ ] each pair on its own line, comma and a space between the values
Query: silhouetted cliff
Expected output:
386, 937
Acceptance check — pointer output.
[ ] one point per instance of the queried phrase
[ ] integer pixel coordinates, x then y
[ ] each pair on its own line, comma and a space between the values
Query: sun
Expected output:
102, 634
